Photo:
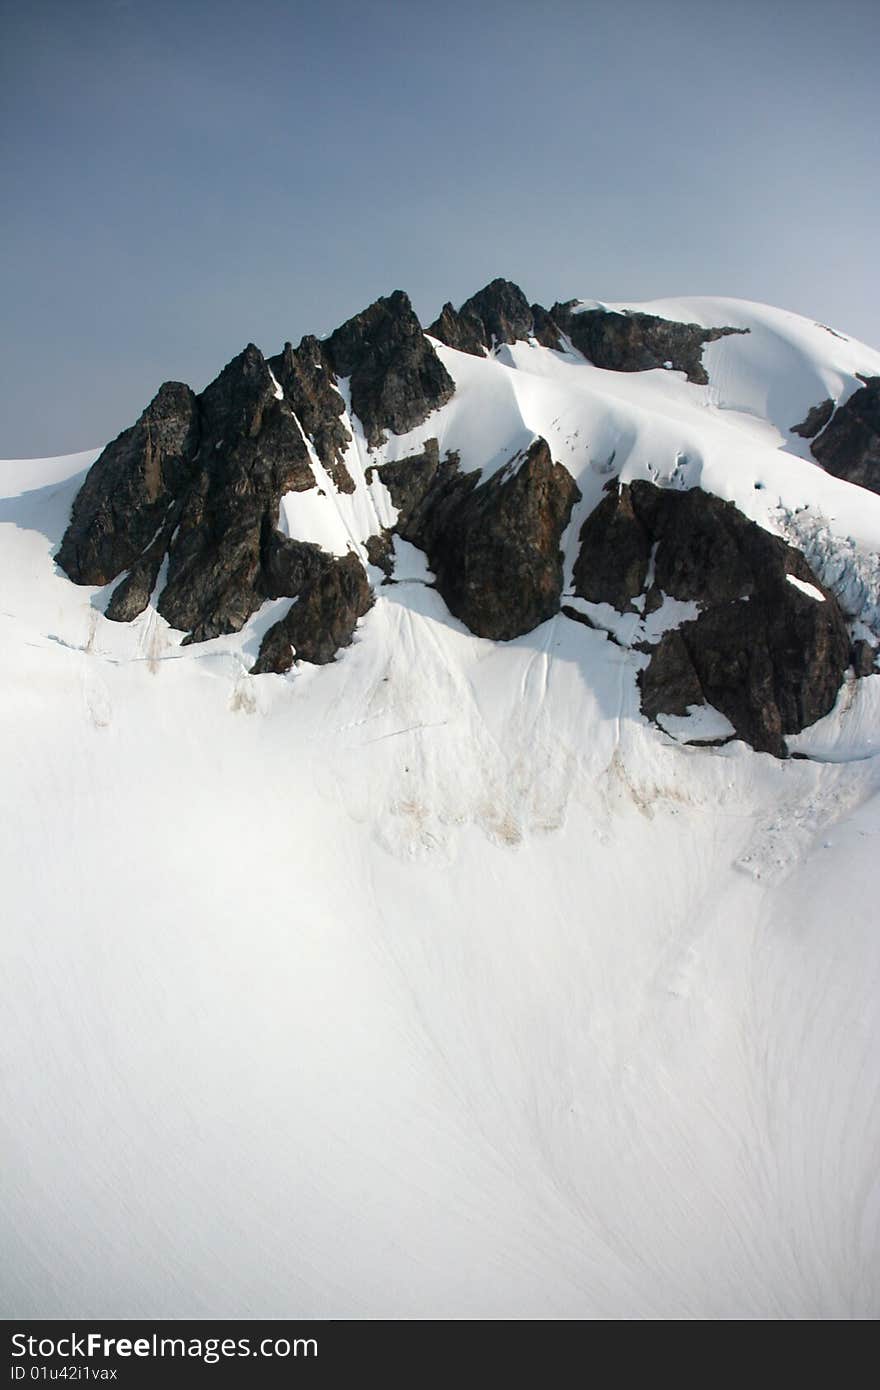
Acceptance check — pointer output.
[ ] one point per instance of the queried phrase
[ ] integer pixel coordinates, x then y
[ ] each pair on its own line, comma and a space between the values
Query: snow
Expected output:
702, 722
437, 982
278, 391
809, 589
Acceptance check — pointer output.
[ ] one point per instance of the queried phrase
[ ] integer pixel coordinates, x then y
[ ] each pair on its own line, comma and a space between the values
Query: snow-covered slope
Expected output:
437, 982
732, 437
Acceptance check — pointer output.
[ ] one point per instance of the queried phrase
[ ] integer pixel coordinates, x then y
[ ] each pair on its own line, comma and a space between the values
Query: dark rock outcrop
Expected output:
411, 481
863, 658
499, 313
773, 665
615, 548
816, 419
503, 311
465, 334
288, 565
635, 342
252, 452
192, 492
133, 592
493, 546
199, 480
396, 377
309, 387
849, 445
132, 489
767, 655
380, 552
321, 620
544, 328
670, 684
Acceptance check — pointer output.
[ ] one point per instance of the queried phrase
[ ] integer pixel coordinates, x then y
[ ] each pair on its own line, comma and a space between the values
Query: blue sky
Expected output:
183, 178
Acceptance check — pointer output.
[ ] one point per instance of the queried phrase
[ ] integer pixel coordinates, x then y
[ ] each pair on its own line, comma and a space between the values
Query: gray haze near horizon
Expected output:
180, 179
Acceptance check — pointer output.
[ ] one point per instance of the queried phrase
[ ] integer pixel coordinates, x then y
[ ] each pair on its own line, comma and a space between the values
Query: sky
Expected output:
182, 178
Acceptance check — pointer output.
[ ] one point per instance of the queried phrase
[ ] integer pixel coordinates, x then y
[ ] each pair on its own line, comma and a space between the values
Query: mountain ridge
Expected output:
197, 488
444, 958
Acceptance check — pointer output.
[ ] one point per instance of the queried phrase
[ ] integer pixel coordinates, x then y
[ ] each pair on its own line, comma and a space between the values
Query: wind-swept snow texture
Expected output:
437, 982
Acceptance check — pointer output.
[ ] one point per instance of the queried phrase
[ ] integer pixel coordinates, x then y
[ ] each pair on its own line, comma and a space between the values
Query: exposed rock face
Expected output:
544, 329
456, 331
864, 657
614, 551
503, 311
307, 380
767, 655
499, 313
252, 452
198, 479
380, 552
817, 418
670, 684
849, 446
131, 490
198, 482
634, 342
321, 620
493, 546
397, 379
192, 492
411, 481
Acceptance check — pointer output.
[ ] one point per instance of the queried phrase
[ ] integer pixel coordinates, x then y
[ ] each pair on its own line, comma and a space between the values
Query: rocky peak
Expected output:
309, 385
395, 377
197, 482
236, 399
498, 313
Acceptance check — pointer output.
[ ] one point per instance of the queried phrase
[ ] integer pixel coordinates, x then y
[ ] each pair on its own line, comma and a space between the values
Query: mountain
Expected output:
441, 774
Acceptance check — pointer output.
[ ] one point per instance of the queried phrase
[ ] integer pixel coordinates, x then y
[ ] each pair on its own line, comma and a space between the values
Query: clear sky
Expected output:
181, 178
